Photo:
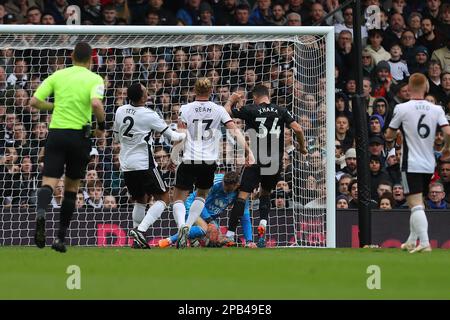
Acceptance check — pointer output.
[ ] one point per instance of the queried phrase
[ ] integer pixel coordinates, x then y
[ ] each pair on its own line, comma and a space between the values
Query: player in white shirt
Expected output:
202, 120
133, 126
417, 119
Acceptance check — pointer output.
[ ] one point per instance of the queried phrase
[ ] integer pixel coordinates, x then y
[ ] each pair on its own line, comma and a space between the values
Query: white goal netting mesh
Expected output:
293, 67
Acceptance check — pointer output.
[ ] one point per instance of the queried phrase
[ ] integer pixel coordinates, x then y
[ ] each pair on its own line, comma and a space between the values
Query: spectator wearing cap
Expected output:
393, 167
442, 55
420, 64
399, 68
262, 14
206, 14
374, 48
341, 202
376, 147
430, 38
436, 197
10, 18
382, 80
190, 13
377, 174
350, 164
47, 19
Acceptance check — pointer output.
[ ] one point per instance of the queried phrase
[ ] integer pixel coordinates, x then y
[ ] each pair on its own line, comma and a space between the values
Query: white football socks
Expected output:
138, 213
152, 215
195, 210
179, 213
420, 223
412, 232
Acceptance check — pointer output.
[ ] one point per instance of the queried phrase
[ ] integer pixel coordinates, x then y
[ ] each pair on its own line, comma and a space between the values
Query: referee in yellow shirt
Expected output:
77, 93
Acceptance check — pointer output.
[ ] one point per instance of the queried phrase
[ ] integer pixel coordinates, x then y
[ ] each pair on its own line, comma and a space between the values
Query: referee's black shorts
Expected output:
69, 148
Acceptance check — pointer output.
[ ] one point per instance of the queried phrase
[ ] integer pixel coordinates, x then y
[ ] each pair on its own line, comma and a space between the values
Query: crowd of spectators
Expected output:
413, 36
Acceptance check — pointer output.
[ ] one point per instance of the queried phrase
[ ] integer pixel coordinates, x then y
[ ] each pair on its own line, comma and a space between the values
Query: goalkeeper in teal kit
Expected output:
222, 194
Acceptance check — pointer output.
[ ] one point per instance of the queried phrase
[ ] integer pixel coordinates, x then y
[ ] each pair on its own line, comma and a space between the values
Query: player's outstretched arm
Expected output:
300, 136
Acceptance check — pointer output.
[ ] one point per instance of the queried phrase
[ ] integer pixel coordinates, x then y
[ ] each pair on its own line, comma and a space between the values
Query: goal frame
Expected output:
326, 31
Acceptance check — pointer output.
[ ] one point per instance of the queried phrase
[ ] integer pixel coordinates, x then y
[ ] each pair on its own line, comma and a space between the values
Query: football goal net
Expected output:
295, 63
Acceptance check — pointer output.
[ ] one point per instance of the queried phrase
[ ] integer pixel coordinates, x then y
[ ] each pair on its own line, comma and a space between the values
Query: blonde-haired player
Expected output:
417, 119
202, 120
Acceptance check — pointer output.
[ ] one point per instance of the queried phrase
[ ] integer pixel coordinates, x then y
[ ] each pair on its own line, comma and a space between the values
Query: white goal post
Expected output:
297, 63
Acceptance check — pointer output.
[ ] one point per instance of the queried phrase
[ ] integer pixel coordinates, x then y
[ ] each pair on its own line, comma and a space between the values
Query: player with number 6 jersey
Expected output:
417, 119
133, 127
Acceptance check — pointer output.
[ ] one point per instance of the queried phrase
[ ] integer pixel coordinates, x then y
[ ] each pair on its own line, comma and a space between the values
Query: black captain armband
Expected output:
101, 126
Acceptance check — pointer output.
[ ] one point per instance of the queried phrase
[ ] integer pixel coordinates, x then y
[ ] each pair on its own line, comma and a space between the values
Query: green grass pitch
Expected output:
225, 273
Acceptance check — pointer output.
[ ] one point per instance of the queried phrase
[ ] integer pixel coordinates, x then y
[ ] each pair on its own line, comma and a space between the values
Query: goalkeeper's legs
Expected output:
44, 196
194, 232
235, 215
